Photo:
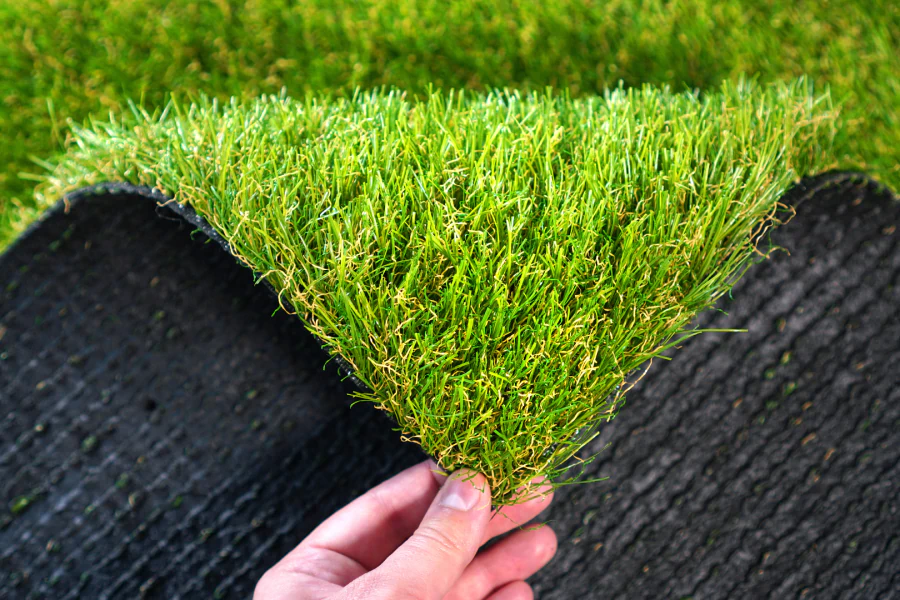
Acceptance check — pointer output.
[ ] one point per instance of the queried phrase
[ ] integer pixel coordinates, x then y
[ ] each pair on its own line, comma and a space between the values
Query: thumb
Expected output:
428, 564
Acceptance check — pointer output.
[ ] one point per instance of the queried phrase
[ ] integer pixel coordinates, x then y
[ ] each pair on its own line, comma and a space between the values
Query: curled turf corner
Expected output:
489, 266
187, 213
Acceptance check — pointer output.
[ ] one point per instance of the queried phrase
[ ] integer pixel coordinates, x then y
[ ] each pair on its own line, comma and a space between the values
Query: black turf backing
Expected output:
164, 434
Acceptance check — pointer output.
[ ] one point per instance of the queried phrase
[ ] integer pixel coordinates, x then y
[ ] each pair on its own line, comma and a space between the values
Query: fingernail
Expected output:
461, 492
440, 476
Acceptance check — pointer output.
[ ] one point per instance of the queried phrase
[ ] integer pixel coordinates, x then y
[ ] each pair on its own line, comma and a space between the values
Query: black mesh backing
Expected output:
165, 432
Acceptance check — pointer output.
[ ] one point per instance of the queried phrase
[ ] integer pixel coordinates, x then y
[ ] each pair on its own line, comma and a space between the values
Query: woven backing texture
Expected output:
163, 433
175, 436
760, 464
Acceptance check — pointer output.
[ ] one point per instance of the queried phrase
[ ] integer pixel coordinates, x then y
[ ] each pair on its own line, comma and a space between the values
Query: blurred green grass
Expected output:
64, 60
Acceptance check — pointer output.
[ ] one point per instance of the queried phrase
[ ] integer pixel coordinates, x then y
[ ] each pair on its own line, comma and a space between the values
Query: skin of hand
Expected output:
416, 537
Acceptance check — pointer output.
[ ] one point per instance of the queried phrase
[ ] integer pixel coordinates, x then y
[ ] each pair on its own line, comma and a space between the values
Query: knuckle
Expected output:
393, 588
440, 540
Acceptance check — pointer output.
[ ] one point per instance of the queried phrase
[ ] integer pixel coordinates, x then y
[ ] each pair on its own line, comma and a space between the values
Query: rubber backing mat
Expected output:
166, 432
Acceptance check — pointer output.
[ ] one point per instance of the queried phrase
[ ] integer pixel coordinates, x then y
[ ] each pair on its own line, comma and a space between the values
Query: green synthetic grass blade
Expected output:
492, 266
87, 57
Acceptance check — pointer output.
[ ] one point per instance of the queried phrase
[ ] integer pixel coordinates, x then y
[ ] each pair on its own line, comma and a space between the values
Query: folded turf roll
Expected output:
490, 267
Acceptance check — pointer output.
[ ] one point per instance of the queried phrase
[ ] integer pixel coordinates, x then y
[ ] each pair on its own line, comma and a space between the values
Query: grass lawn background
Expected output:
61, 60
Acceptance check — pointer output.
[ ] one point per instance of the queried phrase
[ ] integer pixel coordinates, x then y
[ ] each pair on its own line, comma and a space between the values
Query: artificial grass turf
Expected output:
491, 266
87, 57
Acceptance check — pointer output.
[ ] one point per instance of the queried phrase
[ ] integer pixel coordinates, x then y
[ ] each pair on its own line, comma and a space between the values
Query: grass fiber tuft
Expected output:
491, 265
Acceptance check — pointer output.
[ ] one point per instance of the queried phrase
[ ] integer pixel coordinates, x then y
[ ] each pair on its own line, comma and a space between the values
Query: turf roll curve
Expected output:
491, 266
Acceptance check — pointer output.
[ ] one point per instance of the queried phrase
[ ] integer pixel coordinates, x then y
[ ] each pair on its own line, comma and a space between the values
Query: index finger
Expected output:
371, 527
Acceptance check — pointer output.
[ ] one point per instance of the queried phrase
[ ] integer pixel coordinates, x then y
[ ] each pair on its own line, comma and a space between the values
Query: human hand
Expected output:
415, 537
